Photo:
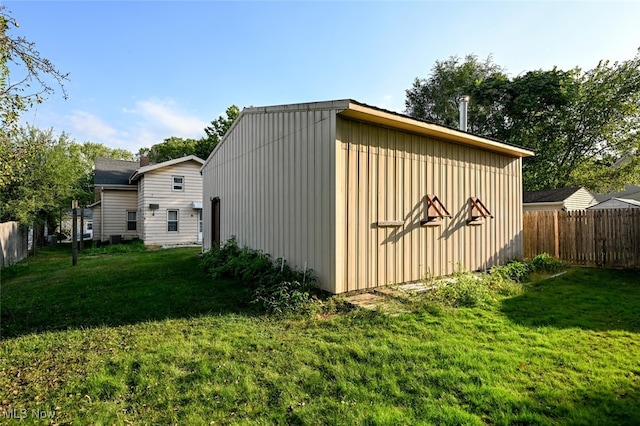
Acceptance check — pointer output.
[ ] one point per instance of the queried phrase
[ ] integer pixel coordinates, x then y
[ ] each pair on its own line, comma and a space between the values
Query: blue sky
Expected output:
143, 71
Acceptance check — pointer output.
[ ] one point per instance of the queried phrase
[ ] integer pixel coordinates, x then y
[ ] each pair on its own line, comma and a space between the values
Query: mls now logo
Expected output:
23, 413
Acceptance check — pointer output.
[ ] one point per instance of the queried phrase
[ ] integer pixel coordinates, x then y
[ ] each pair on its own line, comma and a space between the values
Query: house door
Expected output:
215, 221
200, 225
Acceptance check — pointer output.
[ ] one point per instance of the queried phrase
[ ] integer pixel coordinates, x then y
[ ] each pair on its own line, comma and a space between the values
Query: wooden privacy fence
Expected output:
587, 237
13, 243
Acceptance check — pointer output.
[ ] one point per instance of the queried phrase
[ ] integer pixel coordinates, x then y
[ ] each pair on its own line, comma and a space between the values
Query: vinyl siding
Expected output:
384, 175
97, 222
156, 188
579, 200
115, 204
275, 176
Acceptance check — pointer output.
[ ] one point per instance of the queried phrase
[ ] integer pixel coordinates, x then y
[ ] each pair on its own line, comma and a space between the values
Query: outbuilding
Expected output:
617, 203
363, 196
566, 199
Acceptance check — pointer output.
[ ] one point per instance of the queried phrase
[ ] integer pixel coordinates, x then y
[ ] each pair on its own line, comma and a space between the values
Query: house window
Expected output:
132, 220
177, 183
172, 220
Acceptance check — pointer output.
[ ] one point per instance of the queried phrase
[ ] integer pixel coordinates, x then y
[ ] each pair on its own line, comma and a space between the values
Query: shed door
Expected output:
215, 221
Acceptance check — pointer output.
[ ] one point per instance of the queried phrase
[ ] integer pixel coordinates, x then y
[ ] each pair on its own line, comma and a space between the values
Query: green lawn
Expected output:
146, 338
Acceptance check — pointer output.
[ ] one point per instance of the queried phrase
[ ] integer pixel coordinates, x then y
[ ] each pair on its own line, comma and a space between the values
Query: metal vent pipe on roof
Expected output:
463, 106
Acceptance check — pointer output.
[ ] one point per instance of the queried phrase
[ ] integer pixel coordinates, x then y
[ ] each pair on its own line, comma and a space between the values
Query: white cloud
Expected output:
165, 114
149, 122
91, 126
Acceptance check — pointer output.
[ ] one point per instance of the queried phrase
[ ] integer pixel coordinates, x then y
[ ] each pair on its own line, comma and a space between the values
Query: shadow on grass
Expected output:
46, 293
585, 298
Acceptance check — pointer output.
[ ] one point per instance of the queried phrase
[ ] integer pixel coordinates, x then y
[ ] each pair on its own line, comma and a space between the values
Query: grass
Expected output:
145, 338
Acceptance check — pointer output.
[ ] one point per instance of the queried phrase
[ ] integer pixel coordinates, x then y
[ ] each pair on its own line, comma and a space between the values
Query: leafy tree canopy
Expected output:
26, 84
57, 170
175, 147
583, 125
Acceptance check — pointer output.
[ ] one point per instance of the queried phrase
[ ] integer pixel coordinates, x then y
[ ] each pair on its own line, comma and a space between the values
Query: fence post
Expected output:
74, 233
556, 236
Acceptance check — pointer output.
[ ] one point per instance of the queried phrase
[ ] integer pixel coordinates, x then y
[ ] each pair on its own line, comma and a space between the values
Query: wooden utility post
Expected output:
81, 228
74, 233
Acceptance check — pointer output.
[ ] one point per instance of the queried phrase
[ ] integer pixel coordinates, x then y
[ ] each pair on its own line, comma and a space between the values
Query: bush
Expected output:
546, 263
285, 297
515, 270
462, 289
466, 289
273, 287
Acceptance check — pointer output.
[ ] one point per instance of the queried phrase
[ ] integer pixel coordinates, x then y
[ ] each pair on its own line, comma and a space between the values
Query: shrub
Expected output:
273, 287
285, 297
546, 263
514, 270
463, 289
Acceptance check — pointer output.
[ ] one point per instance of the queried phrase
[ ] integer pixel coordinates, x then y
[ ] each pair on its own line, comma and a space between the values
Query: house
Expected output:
363, 196
158, 203
630, 192
577, 198
84, 225
616, 203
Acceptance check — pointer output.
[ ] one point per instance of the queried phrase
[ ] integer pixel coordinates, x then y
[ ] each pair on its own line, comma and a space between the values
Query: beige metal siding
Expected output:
156, 188
274, 175
115, 204
383, 175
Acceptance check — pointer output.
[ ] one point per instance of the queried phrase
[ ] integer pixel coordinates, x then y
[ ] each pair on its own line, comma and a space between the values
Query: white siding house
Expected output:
169, 201
363, 196
115, 196
159, 203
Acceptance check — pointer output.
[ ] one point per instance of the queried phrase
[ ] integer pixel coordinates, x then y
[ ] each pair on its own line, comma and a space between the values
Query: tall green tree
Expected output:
50, 178
57, 171
31, 79
175, 147
580, 123
220, 126
435, 98
171, 148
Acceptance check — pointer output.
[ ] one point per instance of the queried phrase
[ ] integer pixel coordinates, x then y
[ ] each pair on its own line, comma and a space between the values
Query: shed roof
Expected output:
359, 111
630, 192
113, 172
627, 201
548, 195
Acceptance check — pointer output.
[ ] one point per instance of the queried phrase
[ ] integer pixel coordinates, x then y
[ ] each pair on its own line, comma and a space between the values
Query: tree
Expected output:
435, 98
581, 124
176, 147
57, 170
27, 84
50, 177
220, 126
170, 148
